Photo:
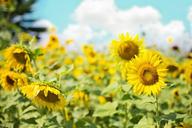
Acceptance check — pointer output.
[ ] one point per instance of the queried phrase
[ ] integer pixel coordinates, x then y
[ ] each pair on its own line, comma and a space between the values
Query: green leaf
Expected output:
136, 119
145, 123
30, 121
29, 109
30, 115
107, 109
188, 120
110, 88
126, 87
38, 52
171, 116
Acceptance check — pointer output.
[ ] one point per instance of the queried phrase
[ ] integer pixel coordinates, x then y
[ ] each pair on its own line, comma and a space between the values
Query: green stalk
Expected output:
126, 116
157, 111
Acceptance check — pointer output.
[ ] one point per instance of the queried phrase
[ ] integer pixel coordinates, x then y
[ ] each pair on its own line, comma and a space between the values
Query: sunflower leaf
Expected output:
107, 109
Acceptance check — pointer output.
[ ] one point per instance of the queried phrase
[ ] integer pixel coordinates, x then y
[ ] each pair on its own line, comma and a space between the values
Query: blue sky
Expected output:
100, 21
59, 11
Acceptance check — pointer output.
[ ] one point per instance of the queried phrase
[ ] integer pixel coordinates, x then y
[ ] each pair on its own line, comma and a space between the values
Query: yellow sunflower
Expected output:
176, 93
90, 54
146, 74
43, 95
18, 58
188, 72
80, 98
53, 42
189, 55
11, 80
125, 49
102, 100
172, 66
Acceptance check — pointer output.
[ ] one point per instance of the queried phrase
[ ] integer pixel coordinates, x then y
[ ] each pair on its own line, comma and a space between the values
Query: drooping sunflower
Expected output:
125, 49
11, 80
43, 95
146, 74
18, 58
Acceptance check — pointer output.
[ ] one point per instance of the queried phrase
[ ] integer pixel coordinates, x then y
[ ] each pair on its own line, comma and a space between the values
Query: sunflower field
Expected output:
123, 85
127, 86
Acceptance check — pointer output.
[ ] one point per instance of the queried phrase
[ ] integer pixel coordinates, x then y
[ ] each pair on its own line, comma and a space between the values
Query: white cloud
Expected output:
43, 23
102, 18
79, 32
104, 14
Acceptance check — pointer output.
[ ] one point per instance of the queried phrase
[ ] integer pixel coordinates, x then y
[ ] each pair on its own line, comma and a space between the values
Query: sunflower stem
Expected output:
35, 64
157, 111
64, 116
126, 115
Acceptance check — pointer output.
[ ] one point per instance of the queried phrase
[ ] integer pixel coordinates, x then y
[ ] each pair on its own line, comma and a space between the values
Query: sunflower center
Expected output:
51, 97
172, 68
176, 93
128, 50
53, 39
9, 80
20, 57
148, 74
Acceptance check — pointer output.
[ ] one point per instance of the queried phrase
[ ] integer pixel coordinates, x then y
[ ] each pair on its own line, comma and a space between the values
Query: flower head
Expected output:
146, 74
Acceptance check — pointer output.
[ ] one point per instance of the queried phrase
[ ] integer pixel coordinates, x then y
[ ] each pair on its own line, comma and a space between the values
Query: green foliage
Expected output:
13, 21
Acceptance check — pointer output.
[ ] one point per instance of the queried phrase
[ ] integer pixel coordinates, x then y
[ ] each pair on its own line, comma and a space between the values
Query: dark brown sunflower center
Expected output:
148, 75
172, 68
92, 54
20, 57
128, 50
176, 93
53, 39
51, 97
10, 81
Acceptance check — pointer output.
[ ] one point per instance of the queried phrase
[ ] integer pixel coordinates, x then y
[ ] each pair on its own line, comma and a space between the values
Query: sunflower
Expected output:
80, 98
172, 66
176, 93
125, 49
90, 54
18, 58
53, 42
146, 74
170, 39
102, 100
43, 95
69, 41
189, 55
11, 80
188, 72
